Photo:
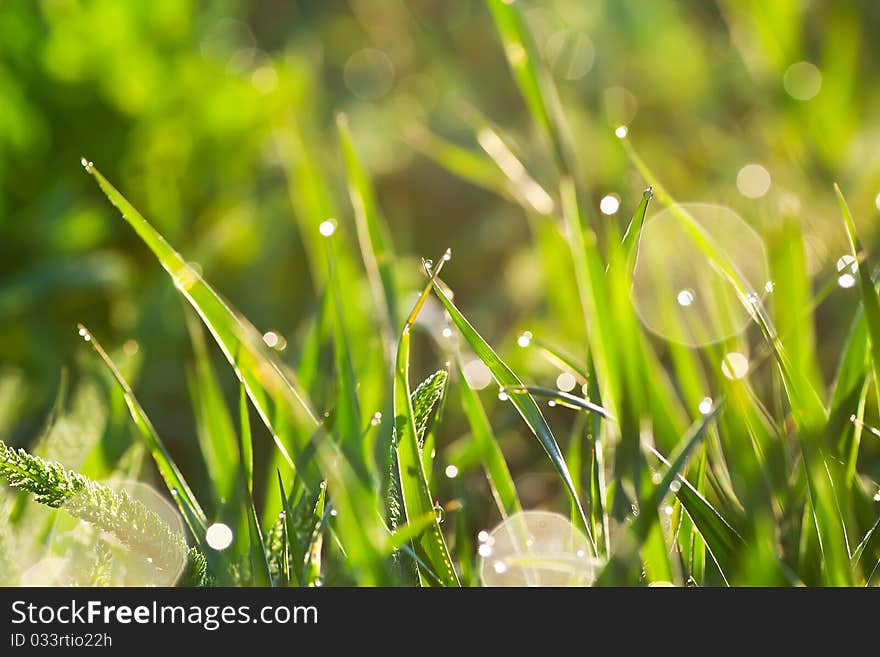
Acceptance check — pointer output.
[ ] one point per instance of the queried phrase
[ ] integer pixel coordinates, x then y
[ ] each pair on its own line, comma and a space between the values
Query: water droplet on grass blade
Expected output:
327, 227
705, 406
682, 282
451, 471
621, 131
537, 548
525, 339
376, 419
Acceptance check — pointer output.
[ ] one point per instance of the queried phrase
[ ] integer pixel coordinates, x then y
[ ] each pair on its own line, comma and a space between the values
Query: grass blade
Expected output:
524, 403
429, 545
272, 390
372, 232
174, 480
870, 300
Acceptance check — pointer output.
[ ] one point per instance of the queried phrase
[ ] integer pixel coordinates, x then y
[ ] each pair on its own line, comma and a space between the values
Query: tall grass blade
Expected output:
272, 390
430, 545
523, 403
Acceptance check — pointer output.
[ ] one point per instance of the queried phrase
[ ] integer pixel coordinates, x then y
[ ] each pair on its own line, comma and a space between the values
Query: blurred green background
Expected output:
200, 113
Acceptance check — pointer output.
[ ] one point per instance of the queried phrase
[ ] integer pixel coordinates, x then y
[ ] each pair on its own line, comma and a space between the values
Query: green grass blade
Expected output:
722, 540
272, 390
372, 231
174, 480
524, 403
259, 563
429, 545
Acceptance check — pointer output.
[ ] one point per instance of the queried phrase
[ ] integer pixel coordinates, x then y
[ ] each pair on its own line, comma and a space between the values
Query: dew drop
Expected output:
551, 403
846, 280
503, 396
485, 550
769, 286
675, 485
334, 512
327, 227
499, 567
685, 298
376, 420
446, 332
451, 471
87, 164
483, 536
705, 406
525, 339
753, 298
668, 510
439, 512
621, 131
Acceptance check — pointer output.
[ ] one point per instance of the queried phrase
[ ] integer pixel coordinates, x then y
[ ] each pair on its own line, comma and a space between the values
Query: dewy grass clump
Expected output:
685, 406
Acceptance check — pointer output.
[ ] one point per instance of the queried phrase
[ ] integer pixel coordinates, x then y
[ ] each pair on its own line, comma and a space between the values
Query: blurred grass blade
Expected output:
174, 480
273, 391
429, 545
532, 78
214, 425
524, 403
372, 231
497, 472
870, 300
347, 412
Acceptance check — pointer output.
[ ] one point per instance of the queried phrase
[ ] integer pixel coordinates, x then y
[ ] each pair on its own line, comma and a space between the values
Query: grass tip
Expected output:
87, 164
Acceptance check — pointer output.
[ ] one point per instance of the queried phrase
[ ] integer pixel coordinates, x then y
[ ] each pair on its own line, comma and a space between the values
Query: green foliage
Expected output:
303, 164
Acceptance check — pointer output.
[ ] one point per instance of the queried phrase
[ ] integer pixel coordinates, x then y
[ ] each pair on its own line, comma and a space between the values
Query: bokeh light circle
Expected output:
139, 542
536, 548
680, 293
